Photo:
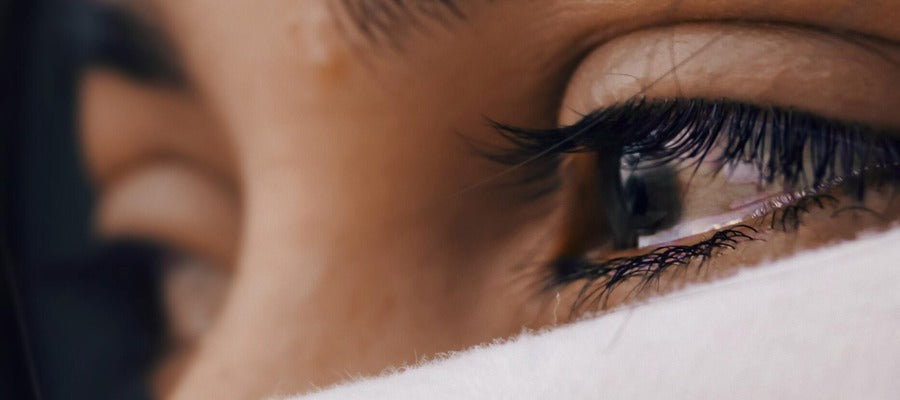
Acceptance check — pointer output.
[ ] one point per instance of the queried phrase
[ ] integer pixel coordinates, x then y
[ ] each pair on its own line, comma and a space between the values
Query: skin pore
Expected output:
328, 170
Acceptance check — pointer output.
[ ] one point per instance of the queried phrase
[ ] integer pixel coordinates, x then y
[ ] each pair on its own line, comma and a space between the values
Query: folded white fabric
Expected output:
822, 325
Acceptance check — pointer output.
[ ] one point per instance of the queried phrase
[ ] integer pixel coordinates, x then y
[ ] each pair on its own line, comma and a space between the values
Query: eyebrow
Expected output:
115, 36
382, 21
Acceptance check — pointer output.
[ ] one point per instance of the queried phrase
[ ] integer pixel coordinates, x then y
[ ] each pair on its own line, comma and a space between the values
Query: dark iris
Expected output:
641, 201
651, 198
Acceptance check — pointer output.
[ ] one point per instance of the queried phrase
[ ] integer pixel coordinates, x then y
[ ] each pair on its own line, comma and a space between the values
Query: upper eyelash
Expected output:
795, 146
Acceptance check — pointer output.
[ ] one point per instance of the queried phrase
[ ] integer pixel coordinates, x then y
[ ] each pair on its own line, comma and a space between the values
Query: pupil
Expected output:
636, 201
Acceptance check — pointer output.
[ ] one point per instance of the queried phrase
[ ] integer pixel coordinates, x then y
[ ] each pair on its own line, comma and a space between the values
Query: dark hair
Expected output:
16, 371
59, 286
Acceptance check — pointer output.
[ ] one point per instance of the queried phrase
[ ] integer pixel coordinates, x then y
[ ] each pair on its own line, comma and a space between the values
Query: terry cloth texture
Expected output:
822, 325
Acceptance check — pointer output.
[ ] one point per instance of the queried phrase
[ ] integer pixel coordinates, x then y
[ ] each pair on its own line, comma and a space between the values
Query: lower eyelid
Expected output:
741, 210
599, 279
598, 276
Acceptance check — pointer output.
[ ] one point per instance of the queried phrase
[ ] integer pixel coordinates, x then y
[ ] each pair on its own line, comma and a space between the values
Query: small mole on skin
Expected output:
320, 47
334, 72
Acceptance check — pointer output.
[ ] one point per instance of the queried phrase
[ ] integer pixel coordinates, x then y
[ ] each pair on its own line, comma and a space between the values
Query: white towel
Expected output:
822, 325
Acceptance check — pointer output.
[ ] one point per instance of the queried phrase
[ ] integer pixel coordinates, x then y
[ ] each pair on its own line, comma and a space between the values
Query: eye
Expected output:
691, 166
714, 172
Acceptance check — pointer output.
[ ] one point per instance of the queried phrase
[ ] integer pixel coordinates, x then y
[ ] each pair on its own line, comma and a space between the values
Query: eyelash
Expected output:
642, 130
789, 147
601, 278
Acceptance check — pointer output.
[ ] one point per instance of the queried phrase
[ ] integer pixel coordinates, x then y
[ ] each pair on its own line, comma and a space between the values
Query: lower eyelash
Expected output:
601, 278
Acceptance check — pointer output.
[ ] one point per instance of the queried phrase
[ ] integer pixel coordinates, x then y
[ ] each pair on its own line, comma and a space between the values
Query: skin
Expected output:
325, 172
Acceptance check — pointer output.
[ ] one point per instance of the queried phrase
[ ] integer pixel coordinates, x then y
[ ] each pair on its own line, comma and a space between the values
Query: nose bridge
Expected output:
260, 52
341, 175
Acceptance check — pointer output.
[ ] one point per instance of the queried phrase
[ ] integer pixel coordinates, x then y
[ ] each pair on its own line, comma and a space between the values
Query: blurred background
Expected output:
80, 319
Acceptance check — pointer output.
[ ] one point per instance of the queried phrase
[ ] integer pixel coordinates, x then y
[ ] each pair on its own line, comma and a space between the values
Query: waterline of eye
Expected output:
692, 228
757, 208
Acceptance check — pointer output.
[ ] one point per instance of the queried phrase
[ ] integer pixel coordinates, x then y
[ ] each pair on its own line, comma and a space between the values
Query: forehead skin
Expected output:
356, 252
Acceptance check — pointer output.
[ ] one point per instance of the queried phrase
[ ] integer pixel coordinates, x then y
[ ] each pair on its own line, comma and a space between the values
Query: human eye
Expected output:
662, 183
